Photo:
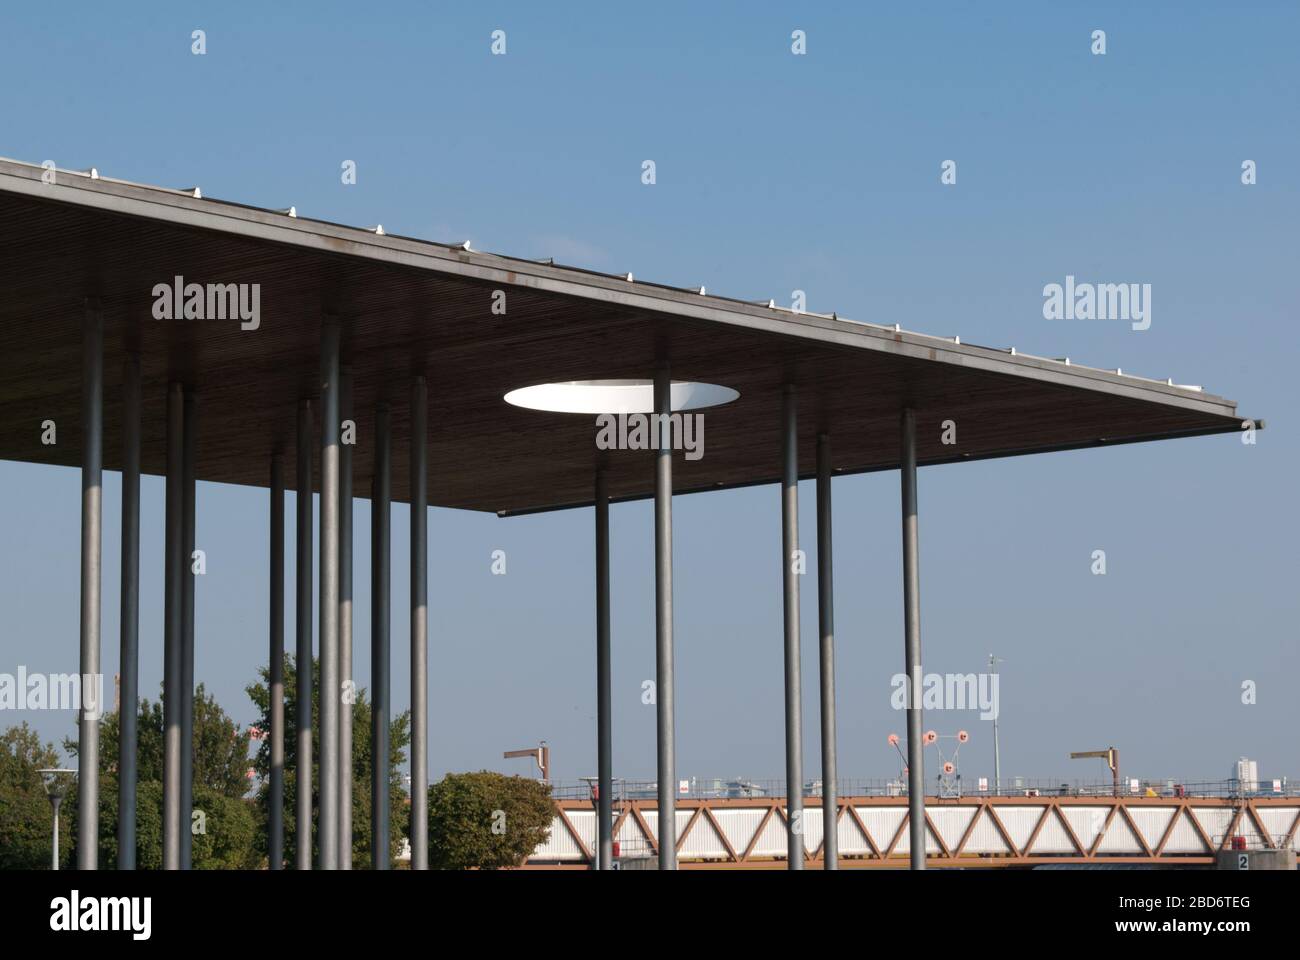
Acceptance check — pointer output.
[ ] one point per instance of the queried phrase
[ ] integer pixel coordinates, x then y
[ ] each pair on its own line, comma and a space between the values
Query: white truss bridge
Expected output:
980, 831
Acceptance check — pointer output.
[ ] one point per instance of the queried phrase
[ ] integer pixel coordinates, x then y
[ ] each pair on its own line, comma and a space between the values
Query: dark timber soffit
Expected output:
410, 306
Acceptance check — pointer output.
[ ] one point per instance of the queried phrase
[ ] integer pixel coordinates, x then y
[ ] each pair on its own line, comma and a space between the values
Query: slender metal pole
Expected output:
173, 628
790, 606
128, 709
380, 637
912, 635
92, 521
330, 692
345, 625
604, 729
419, 627
997, 757
187, 632
997, 760
303, 625
275, 664
666, 758
54, 854
826, 622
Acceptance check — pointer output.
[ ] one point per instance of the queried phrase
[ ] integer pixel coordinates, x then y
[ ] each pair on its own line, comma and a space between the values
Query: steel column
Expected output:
330, 693
380, 637
302, 625
129, 697
275, 665
187, 629
790, 608
826, 623
419, 627
173, 628
604, 729
666, 753
345, 626
92, 522
912, 646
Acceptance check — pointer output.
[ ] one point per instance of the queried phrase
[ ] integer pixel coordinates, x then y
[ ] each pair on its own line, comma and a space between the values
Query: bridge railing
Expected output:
715, 788
1254, 840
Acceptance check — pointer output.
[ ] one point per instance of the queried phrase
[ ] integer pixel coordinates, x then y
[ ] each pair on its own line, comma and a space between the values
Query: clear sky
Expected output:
775, 173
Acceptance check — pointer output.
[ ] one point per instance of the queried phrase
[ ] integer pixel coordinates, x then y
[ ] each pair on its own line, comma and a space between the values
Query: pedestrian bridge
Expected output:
982, 831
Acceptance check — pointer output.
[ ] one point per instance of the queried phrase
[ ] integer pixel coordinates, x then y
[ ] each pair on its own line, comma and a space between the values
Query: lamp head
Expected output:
56, 782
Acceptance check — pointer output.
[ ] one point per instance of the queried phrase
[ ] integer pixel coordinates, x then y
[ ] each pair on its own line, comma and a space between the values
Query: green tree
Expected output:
26, 819
220, 746
399, 738
222, 832
487, 820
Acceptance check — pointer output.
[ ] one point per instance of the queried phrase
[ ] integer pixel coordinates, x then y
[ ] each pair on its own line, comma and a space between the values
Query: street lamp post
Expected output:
56, 788
997, 759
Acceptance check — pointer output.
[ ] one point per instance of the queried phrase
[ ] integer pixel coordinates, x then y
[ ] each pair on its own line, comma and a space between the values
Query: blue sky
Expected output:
775, 172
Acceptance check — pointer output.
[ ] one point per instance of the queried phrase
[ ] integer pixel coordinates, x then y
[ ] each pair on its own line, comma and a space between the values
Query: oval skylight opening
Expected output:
616, 396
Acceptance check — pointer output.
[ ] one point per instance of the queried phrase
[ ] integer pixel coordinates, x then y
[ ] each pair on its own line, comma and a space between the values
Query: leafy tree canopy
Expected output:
222, 830
26, 819
487, 820
399, 737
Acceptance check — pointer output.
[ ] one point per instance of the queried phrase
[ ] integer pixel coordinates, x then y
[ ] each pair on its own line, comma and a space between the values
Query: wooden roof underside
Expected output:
407, 307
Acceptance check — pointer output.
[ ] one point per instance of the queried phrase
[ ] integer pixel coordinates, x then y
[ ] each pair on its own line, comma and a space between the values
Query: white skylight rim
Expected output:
617, 396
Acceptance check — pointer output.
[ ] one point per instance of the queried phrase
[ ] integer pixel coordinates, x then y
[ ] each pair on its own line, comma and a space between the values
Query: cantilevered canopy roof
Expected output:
409, 306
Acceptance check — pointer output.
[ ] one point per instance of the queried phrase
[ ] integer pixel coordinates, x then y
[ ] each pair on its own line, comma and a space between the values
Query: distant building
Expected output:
1246, 775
